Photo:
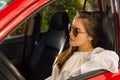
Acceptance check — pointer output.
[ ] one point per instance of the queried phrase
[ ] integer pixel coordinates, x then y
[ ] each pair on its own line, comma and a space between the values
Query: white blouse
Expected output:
82, 62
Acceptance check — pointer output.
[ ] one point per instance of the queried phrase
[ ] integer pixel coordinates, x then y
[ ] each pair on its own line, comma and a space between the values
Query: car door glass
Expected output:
4, 3
18, 32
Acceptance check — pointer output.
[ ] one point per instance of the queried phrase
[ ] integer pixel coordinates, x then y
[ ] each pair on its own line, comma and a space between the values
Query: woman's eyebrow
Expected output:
75, 26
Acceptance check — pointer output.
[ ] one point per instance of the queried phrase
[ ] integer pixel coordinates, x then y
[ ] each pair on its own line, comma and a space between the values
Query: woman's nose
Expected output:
70, 33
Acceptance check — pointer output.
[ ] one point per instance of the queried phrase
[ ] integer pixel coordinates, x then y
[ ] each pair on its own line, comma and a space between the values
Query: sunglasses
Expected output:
76, 31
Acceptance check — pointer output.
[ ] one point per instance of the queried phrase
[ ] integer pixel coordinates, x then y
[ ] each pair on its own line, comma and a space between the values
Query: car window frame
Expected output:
3, 36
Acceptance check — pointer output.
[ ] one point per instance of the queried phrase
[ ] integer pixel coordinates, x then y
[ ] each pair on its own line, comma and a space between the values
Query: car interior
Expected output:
30, 57
52, 42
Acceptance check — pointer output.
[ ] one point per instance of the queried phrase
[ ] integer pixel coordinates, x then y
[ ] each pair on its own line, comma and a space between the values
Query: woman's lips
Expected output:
71, 40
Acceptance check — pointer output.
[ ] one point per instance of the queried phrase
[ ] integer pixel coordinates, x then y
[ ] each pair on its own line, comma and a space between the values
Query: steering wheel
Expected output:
8, 70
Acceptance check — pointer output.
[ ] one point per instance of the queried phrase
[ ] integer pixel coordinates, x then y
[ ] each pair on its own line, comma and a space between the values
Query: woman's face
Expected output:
78, 35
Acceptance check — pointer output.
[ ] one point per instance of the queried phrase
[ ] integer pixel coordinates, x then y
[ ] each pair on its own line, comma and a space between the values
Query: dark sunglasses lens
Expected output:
75, 32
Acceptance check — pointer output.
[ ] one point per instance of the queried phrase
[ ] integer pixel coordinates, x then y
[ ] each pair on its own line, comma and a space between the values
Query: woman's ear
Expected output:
90, 38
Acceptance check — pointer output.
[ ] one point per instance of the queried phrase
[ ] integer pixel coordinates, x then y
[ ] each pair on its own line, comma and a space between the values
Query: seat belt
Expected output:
37, 29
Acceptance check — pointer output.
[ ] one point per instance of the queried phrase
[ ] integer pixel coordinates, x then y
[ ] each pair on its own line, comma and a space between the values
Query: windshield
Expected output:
4, 3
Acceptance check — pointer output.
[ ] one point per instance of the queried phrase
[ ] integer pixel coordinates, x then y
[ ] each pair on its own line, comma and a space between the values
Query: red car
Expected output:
42, 33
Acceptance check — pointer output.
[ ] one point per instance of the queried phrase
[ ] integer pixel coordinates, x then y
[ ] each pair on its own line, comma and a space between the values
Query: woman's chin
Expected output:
72, 44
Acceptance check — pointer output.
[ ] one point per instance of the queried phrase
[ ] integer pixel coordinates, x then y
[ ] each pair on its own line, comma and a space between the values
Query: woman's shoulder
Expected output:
103, 59
99, 50
104, 53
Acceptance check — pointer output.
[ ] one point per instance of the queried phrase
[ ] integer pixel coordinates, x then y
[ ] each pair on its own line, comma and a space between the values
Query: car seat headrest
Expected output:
106, 32
59, 21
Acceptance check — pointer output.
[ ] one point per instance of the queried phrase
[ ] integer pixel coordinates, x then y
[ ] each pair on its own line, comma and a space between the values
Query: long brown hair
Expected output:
92, 23
64, 56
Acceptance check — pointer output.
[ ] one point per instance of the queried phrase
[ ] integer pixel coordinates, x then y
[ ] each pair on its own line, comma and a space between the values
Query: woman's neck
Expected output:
85, 48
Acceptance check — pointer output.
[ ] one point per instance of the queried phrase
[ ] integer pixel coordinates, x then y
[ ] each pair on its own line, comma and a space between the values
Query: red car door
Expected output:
15, 12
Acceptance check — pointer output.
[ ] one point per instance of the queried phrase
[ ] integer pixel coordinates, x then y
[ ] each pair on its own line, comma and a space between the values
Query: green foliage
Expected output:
69, 6
19, 31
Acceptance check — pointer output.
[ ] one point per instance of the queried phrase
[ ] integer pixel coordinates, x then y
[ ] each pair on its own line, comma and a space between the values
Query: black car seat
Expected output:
107, 36
51, 43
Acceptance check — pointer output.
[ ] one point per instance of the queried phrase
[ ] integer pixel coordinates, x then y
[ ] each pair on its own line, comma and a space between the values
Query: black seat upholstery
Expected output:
106, 32
42, 58
109, 32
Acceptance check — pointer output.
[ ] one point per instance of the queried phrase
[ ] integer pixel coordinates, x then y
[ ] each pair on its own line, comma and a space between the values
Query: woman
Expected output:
83, 55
